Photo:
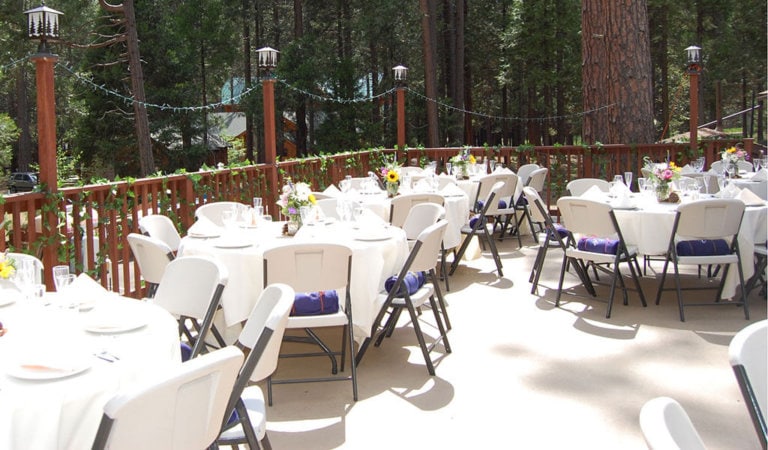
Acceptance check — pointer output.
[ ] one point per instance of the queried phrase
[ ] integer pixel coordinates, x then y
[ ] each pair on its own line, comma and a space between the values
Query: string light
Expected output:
237, 98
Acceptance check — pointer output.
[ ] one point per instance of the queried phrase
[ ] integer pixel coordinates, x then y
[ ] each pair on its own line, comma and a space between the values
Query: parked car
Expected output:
22, 181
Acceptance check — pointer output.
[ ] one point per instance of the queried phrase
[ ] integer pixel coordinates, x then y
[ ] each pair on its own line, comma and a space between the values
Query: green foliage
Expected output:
8, 134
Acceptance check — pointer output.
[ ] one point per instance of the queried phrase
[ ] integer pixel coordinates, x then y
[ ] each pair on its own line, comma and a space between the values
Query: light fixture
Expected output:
401, 73
267, 57
693, 54
43, 24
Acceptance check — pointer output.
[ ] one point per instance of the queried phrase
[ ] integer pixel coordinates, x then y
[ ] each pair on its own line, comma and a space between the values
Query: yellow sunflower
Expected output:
392, 176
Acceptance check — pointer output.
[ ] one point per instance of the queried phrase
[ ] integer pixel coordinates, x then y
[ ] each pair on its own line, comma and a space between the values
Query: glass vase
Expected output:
392, 189
662, 192
293, 225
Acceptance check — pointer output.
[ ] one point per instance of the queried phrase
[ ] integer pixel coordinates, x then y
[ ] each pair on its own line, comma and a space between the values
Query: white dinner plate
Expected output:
114, 324
202, 235
7, 298
33, 370
231, 244
382, 236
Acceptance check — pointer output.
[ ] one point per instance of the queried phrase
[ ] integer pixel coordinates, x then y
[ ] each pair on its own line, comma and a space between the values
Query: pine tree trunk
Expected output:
616, 72
427, 8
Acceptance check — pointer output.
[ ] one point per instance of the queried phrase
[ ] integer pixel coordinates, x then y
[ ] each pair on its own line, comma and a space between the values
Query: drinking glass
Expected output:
618, 179
492, 165
228, 219
448, 167
257, 202
640, 184
628, 179
756, 164
59, 273
306, 215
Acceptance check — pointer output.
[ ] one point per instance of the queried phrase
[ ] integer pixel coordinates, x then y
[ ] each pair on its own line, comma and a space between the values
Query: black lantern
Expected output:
43, 24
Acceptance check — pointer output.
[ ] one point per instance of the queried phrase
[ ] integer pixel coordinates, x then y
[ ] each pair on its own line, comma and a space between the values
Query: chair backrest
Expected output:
37, 265
402, 204
411, 170
525, 171
666, 425
191, 287
588, 217
420, 217
506, 192
182, 409
161, 227
749, 359
581, 185
536, 206
328, 206
746, 166
427, 247
710, 218
442, 182
152, 255
717, 166
213, 211
537, 178
308, 267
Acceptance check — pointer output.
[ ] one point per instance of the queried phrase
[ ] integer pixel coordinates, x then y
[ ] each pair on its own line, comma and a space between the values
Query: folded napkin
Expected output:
687, 169
423, 185
452, 190
369, 219
730, 191
315, 303
750, 198
593, 193
598, 245
624, 200
87, 286
332, 191
760, 175
204, 227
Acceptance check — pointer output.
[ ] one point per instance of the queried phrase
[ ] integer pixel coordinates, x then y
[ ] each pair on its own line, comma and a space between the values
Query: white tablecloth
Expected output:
373, 261
650, 227
64, 413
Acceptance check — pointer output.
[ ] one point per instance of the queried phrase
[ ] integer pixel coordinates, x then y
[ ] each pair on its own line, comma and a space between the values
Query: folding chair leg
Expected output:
420, 338
560, 284
440, 300
440, 327
663, 277
443, 267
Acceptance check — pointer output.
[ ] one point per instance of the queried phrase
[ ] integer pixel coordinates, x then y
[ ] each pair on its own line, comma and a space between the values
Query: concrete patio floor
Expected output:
524, 374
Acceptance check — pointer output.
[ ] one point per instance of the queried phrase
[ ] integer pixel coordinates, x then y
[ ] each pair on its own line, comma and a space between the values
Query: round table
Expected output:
59, 367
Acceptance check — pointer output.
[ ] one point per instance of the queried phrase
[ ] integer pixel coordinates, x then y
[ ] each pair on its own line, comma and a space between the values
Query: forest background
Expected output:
488, 72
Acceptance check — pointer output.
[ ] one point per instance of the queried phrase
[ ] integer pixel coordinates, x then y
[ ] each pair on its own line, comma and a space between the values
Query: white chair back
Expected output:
328, 207
308, 267
525, 171
37, 265
579, 186
420, 217
588, 217
532, 195
749, 358
710, 218
189, 284
182, 409
505, 192
666, 425
213, 211
161, 227
402, 205
430, 239
152, 255
537, 179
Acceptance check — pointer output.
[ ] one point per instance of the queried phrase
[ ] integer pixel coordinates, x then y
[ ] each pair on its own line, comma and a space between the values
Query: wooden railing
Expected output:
87, 226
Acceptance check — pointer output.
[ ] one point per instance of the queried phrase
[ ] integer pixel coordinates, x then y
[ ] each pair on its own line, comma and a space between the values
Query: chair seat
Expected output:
600, 258
704, 260
417, 299
325, 320
253, 399
598, 245
703, 247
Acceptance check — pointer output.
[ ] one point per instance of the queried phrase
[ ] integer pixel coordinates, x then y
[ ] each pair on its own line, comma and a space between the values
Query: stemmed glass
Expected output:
756, 164
448, 167
60, 274
628, 179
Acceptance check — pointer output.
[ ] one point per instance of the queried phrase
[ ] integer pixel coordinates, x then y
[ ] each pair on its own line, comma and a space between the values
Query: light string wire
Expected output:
505, 118
236, 98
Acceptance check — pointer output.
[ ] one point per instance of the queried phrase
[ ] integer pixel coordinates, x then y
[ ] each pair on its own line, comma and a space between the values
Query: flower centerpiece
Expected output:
731, 157
461, 162
293, 197
7, 266
390, 172
662, 175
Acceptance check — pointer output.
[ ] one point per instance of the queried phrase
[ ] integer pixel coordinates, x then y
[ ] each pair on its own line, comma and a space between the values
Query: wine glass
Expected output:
756, 164
59, 275
448, 168
628, 179
257, 202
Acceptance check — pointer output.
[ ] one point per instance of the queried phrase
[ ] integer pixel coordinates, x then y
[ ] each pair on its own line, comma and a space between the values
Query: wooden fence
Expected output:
87, 226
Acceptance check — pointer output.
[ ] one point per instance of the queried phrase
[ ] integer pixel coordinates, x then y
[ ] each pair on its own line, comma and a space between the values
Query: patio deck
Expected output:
524, 374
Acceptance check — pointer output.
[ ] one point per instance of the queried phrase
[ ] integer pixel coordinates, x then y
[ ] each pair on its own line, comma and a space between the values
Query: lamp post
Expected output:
401, 73
268, 62
694, 69
43, 24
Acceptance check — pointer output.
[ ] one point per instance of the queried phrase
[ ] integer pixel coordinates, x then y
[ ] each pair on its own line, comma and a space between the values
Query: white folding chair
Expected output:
182, 409
260, 340
152, 256
503, 208
214, 211
705, 232
161, 227
402, 204
421, 259
666, 426
419, 218
748, 355
37, 265
478, 226
191, 290
314, 267
328, 207
536, 181
602, 246
579, 186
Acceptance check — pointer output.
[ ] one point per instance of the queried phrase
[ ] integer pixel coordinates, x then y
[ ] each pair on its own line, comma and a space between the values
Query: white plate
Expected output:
372, 237
116, 324
6, 299
202, 235
30, 370
232, 244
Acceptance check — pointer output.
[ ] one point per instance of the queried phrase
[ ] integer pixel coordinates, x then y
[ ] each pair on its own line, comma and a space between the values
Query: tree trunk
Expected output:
301, 107
427, 8
616, 72
464, 119
249, 153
